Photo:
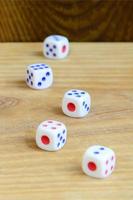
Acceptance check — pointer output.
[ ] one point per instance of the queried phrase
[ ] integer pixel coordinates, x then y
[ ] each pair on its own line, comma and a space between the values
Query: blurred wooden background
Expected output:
80, 20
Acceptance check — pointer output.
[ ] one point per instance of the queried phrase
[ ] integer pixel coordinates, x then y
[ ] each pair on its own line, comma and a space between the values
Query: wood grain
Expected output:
79, 20
26, 172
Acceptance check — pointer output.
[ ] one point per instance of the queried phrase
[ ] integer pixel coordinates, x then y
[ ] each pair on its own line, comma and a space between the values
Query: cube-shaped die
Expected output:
39, 76
56, 47
51, 135
98, 161
76, 103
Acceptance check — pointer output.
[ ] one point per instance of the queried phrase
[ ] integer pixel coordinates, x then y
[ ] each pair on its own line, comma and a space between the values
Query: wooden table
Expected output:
26, 172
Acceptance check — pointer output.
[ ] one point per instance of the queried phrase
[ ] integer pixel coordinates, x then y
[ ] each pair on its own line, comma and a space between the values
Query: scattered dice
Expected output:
76, 103
39, 76
51, 135
56, 47
98, 161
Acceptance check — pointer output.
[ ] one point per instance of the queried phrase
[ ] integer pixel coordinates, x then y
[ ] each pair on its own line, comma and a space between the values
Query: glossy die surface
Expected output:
98, 161
56, 47
39, 76
51, 135
76, 103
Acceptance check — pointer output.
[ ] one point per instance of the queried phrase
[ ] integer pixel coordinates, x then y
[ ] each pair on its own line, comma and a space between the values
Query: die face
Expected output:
51, 135
39, 76
76, 103
98, 161
63, 48
91, 166
56, 47
45, 139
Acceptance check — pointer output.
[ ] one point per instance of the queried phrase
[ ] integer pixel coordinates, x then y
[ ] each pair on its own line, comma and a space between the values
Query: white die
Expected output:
98, 161
51, 135
39, 76
76, 103
56, 47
